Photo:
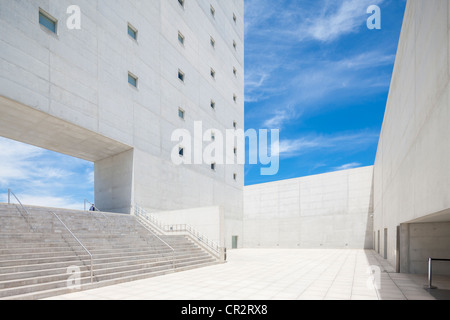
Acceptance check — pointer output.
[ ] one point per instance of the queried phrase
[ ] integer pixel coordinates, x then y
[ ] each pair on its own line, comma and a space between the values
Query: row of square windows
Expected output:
51, 24
213, 165
211, 9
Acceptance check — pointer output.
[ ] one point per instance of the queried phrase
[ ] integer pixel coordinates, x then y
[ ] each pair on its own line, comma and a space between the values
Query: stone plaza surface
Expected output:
278, 274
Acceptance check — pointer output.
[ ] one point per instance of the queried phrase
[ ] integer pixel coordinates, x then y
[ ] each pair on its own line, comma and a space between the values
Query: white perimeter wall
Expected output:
412, 176
208, 221
330, 210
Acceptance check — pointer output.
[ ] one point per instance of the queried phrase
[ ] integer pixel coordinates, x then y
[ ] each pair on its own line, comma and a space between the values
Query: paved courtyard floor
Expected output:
278, 274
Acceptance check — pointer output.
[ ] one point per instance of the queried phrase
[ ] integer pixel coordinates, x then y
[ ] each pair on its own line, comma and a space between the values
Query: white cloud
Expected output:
45, 201
43, 178
295, 147
280, 117
336, 22
348, 166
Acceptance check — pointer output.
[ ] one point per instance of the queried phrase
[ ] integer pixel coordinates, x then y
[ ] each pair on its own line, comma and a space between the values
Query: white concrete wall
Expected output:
77, 80
411, 175
423, 241
208, 221
325, 211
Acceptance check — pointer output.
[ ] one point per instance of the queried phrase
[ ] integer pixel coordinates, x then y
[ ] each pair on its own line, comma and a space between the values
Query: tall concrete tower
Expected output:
110, 81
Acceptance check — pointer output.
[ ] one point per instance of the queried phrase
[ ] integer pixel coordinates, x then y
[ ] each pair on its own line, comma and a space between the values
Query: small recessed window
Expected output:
132, 80
234, 176
234, 71
213, 11
213, 166
181, 113
213, 104
132, 32
47, 21
181, 2
234, 45
213, 73
234, 98
181, 75
181, 152
213, 42
180, 38
235, 125
234, 18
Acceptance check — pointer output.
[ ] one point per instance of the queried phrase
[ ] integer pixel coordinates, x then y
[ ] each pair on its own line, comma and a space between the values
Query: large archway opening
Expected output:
44, 178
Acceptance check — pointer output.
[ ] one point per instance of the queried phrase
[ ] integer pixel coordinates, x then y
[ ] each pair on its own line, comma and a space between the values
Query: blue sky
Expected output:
313, 70
316, 72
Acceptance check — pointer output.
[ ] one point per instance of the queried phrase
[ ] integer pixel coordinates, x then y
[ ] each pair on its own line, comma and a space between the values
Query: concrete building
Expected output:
332, 210
411, 175
113, 91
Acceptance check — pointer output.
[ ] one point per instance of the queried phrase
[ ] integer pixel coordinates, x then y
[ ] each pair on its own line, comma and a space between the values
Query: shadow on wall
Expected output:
370, 240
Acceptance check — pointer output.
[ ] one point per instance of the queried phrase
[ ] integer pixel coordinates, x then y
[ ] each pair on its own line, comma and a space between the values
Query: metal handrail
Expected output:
88, 252
196, 234
10, 192
9, 200
187, 228
164, 242
430, 271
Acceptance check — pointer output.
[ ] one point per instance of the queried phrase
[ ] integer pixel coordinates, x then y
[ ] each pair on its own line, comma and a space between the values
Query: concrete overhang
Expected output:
28, 125
442, 216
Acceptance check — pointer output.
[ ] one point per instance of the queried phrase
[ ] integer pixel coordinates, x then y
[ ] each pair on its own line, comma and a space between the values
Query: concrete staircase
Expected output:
38, 254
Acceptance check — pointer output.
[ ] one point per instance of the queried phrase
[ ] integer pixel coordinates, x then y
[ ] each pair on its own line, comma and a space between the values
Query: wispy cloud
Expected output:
337, 19
281, 116
348, 166
331, 143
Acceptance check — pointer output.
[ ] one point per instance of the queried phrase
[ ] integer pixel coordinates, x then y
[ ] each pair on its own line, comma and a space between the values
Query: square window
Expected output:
47, 21
132, 80
181, 2
180, 38
132, 32
213, 11
181, 113
180, 75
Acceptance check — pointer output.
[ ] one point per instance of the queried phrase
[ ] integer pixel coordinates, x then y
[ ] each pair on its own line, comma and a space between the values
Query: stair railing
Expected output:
10, 193
201, 239
79, 242
139, 220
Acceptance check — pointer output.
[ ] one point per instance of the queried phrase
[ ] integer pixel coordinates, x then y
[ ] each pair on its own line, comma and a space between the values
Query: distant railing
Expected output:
92, 206
214, 246
10, 193
88, 252
430, 271
211, 246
